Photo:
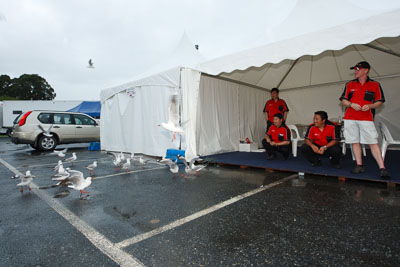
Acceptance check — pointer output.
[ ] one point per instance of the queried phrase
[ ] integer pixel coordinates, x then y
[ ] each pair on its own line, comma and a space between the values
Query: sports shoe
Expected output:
384, 173
358, 169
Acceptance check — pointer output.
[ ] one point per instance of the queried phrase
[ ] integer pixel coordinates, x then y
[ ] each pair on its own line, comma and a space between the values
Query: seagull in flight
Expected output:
47, 132
173, 117
173, 166
91, 64
191, 168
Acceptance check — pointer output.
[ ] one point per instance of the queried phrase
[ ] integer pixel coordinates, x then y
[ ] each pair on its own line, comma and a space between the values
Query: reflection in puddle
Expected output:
391, 198
300, 182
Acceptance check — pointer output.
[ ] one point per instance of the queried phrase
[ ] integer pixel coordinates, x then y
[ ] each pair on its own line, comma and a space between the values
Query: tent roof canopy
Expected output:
92, 108
317, 58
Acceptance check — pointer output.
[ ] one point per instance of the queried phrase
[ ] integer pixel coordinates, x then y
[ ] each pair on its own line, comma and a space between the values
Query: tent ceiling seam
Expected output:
338, 82
355, 47
235, 81
387, 51
287, 73
311, 70
336, 64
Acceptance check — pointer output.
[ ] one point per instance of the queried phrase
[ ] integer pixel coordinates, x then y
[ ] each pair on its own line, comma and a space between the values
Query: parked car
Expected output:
66, 128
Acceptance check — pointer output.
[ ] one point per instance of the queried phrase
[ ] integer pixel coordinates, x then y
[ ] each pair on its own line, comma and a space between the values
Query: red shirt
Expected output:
279, 134
273, 107
330, 132
368, 93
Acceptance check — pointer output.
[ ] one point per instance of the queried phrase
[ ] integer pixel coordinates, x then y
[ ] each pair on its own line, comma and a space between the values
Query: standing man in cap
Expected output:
275, 106
362, 96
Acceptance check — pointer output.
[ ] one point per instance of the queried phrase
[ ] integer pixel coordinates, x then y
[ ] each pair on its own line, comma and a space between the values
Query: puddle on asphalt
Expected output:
119, 212
389, 197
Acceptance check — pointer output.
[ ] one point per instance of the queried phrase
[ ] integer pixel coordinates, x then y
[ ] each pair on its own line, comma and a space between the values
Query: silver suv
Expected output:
65, 128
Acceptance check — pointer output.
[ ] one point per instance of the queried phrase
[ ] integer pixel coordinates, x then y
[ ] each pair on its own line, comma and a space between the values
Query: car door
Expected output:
87, 128
64, 127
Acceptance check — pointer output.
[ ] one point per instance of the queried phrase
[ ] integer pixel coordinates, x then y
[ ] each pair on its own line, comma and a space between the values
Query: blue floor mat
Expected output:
300, 164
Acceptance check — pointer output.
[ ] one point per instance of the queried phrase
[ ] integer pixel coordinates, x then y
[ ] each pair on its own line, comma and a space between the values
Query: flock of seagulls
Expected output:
74, 179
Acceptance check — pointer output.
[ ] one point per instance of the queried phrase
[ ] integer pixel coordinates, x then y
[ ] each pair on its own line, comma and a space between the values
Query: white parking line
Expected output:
128, 172
100, 241
179, 222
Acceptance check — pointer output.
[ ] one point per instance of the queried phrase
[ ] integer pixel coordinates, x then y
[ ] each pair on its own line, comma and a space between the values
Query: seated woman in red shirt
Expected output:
277, 138
322, 138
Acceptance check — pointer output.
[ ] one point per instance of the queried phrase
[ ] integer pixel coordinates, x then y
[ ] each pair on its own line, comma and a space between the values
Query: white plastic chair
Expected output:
387, 139
351, 148
295, 140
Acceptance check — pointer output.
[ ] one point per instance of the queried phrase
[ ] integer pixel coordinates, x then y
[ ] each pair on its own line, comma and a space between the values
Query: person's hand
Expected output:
365, 108
321, 150
273, 143
355, 106
315, 149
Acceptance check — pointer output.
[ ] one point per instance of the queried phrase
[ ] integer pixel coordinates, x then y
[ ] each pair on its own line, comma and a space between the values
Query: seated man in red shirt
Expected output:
322, 138
273, 106
277, 138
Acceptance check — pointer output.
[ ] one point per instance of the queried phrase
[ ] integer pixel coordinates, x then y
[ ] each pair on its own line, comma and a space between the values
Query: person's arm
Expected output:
266, 116
285, 115
267, 138
349, 104
332, 143
284, 143
310, 144
371, 106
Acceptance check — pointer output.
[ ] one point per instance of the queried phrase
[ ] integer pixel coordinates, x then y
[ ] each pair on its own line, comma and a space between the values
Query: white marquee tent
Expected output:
222, 99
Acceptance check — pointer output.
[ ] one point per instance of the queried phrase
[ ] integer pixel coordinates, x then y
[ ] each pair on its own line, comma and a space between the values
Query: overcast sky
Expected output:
55, 38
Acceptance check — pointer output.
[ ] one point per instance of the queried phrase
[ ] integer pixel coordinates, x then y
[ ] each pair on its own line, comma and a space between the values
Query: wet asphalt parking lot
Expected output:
226, 216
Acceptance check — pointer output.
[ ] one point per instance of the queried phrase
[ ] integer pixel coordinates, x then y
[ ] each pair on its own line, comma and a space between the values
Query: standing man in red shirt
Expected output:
322, 138
277, 138
275, 106
362, 96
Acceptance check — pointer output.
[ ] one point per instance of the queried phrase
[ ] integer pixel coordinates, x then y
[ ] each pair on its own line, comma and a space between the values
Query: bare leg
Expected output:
357, 153
376, 152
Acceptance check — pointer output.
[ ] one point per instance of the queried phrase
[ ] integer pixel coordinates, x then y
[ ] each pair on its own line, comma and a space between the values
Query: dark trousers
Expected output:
335, 152
271, 150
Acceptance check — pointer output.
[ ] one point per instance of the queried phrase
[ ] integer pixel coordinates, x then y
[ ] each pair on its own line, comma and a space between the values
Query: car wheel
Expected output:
47, 143
8, 132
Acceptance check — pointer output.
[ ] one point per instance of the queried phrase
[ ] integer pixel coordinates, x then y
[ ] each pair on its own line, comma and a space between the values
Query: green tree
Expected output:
26, 87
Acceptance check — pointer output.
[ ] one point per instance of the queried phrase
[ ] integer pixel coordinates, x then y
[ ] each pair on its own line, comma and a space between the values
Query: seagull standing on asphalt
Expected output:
26, 180
77, 181
57, 167
47, 132
173, 117
143, 161
71, 159
91, 167
127, 165
191, 168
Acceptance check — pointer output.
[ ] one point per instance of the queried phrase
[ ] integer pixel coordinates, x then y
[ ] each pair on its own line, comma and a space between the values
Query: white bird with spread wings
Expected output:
173, 117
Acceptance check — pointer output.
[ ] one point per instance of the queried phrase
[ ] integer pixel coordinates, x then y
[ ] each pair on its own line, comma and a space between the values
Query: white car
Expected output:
65, 128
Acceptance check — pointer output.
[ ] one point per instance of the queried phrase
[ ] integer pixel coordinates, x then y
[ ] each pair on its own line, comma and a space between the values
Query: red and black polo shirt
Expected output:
368, 93
330, 132
273, 108
279, 134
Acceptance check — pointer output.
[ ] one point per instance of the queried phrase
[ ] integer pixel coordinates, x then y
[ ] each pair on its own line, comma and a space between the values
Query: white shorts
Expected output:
363, 132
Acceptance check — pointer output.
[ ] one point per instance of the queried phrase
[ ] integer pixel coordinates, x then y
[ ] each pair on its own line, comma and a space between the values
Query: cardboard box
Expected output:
248, 147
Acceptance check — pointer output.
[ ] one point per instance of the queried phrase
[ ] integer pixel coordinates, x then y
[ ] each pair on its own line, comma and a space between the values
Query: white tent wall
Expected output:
130, 123
227, 113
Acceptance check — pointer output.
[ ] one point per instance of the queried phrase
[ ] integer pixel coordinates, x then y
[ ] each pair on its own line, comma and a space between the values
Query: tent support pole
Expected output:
287, 73
387, 51
235, 81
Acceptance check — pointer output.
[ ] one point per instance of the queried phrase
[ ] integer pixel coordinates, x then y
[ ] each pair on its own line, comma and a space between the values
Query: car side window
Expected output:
83, 120
44, 117
60, 118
